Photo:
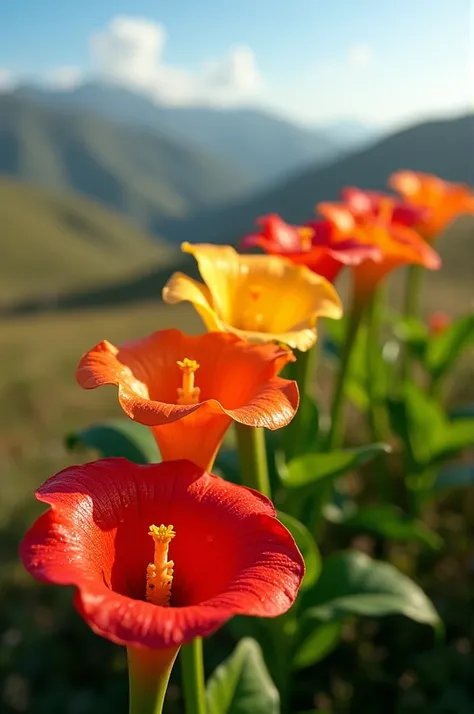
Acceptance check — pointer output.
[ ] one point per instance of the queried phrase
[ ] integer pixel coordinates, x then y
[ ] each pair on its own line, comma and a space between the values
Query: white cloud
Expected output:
129, 51
64, 78
7, 80
360, 55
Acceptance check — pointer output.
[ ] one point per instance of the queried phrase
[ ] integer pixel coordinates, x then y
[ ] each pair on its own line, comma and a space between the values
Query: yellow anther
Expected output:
188, 393
306, 238
159, 574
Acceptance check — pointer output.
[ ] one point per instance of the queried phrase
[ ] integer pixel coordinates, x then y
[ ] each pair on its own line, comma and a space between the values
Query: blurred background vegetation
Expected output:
99, 183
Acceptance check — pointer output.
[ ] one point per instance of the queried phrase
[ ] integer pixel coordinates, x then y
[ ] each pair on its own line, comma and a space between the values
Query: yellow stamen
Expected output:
306, 238
159, 574
188, 393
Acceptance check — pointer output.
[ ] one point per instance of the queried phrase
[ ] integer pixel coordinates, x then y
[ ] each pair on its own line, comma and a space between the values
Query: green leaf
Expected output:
310, 468
452, 477
389, 522
321, 641
419, 422
351, 583
444, 349
241, 684
307, 545
118, 437
427, 433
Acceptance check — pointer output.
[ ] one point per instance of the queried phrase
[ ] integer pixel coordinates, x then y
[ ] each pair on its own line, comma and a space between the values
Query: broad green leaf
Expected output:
351, 583
452, 477
321, 640
241, 684
118, 437
389, 522
419, 422
310, 468
444, 349
307, 545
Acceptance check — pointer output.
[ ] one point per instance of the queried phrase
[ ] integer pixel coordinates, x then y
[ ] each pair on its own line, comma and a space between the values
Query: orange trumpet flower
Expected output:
443, 200
398, 244
262, 298
190, 389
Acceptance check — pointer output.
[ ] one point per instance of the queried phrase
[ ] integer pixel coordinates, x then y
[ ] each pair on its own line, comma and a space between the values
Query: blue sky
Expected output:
381, 61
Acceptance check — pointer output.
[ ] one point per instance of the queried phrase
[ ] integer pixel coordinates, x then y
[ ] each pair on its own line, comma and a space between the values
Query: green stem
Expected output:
336, 431
253, 458
192, 672
149, 672
295, 433
376, 414
410, 309
305, 369
335, 435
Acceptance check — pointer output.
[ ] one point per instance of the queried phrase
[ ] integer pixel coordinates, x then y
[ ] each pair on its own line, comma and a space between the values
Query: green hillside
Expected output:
57, 243
146, 175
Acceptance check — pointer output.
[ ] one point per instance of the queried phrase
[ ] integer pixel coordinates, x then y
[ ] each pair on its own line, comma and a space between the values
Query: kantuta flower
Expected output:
398, 244
189, 389
315, 245
218, 550
443, 201
261, 298
369, 204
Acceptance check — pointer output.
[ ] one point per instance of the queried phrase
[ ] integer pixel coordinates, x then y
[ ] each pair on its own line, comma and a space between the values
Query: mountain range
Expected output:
445, 148
145, 175
262, 145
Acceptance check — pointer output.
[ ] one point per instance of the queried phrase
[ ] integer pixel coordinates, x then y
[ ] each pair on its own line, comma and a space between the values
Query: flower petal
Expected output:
237, 380
181, 288
253, 285
231, 555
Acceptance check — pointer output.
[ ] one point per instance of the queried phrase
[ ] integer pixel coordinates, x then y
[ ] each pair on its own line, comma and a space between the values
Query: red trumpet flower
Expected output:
228, 554
369, 204
316, 245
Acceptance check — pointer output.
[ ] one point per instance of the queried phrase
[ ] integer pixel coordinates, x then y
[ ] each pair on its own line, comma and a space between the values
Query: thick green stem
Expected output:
335, 435
295, 433
192, 670
253, 458
410, 309
149, 672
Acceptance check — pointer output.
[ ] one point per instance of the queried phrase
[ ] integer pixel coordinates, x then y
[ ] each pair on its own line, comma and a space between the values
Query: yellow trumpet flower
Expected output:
261, 298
